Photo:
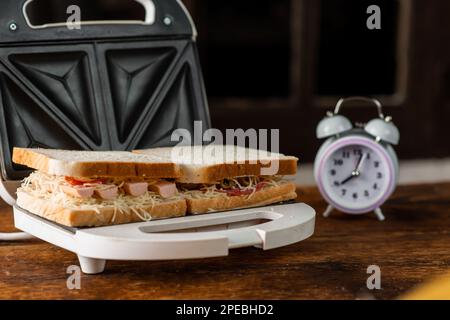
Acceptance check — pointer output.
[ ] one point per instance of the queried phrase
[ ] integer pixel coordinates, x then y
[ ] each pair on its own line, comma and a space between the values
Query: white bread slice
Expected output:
209, 164
95, 163
283, 192
104, 216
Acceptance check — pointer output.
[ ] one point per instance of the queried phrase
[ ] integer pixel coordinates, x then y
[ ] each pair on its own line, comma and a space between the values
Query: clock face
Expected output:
357, 176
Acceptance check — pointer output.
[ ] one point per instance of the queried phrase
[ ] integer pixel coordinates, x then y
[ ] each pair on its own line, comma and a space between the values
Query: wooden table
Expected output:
411, 246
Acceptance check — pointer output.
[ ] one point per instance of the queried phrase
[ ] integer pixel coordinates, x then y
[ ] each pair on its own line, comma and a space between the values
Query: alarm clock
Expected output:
356, 168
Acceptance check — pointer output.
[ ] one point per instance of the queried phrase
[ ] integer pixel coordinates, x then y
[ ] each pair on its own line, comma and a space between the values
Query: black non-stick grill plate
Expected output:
91, 90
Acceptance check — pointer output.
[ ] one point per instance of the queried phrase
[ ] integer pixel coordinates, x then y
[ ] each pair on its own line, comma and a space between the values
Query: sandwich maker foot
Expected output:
91, 265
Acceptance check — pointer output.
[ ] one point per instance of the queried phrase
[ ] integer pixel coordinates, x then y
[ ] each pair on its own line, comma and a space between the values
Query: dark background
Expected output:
284, 63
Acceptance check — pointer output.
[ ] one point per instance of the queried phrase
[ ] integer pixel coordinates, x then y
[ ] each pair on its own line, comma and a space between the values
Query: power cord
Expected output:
15, 236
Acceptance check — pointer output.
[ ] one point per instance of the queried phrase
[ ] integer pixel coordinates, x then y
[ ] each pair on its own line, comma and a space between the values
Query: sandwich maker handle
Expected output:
163, 18
200, 236
148, 6
191, 237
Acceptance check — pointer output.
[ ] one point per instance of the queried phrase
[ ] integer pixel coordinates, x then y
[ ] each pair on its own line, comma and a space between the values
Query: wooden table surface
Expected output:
410, 247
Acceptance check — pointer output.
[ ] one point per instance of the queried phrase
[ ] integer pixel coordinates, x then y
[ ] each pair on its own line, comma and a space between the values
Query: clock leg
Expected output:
379, 214
328, 211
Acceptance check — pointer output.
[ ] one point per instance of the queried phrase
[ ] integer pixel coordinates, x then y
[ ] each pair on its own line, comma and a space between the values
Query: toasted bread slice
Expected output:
283, 192
210, 164
101, 216
95, 163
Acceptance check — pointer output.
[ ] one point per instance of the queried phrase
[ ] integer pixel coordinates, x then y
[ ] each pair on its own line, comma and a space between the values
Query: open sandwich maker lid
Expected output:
105, 86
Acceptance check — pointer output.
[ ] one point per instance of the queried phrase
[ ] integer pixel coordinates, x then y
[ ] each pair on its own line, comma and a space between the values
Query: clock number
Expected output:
338, 162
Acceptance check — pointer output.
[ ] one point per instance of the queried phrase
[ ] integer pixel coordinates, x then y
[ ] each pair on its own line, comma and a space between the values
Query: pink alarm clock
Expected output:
356, 169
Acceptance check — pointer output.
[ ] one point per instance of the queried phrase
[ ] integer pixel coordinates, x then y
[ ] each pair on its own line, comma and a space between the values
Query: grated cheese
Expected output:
48, 187
247, 183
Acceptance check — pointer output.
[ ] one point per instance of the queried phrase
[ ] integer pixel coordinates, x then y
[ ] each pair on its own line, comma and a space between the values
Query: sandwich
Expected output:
89, 189
95, 188
225, 177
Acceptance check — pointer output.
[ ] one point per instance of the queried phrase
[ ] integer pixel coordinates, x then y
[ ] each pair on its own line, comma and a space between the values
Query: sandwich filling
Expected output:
240, 186
123, 194
136, 194
75, 191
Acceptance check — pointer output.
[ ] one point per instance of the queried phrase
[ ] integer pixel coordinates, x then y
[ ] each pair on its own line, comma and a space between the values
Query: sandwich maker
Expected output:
118, 85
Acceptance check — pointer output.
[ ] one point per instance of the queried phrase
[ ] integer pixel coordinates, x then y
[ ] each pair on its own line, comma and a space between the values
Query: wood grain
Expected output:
410, 247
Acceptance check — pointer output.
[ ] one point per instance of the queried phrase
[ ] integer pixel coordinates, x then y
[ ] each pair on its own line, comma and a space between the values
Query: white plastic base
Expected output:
202, 236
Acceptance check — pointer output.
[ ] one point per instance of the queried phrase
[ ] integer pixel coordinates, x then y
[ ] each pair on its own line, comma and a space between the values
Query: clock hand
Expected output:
357, 171
353, 176
361, 162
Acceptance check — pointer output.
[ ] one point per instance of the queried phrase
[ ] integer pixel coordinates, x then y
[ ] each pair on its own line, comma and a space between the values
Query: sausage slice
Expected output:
78, 192
164, 188
135, 189
107, 192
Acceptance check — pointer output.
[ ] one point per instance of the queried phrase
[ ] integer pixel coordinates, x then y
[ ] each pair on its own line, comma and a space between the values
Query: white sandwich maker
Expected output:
118, 85
202, 236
